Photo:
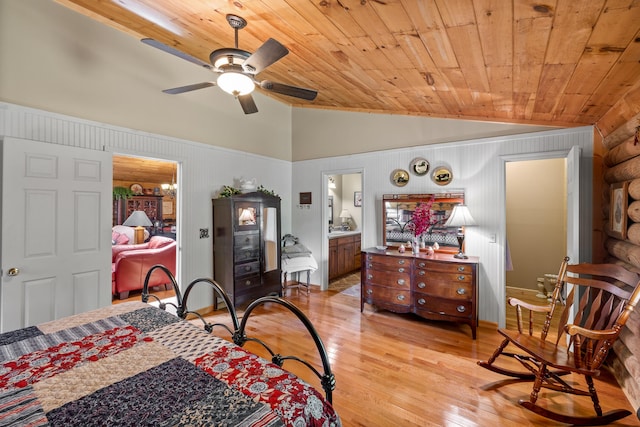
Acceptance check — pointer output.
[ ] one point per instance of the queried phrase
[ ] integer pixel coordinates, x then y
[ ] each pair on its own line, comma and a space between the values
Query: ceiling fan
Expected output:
238, 69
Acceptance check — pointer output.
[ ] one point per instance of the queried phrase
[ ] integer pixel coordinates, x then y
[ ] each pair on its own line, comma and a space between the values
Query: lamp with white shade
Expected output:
346, 217
138, 220
247, 217
460, 217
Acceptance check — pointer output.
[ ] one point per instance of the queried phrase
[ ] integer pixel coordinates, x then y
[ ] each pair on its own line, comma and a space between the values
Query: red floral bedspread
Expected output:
133, 364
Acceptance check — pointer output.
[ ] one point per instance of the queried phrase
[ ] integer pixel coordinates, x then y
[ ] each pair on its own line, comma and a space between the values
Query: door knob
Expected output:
13, 271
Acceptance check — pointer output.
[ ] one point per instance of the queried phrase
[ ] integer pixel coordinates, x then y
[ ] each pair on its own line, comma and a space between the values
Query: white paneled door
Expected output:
56, 231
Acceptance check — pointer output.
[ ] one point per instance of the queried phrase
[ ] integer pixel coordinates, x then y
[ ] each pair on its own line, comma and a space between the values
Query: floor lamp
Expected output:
138, 220
460, 217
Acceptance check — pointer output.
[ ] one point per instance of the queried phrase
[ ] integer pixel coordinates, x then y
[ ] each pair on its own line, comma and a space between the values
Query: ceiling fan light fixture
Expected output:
235, 83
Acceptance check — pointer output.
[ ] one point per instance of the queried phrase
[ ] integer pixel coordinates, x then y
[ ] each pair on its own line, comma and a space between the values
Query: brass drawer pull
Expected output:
461, 309
461, 291
400, 297
401, 270
421, 264
247, 283
401, 282
369, 291
369, 265
247, 268
401, 262
461, 268
369, 276
421, 285
422, 273
421, 301
461, 278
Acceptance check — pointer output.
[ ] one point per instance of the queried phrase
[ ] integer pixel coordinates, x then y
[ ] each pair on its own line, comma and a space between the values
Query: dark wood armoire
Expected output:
246, 245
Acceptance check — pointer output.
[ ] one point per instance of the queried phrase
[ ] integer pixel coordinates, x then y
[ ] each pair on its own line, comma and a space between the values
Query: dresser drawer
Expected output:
246, 283
247, 268
247, 241
389, 263
445, 267
435, 277
387, 296
424, 304
246, 254
388, 278
459, 291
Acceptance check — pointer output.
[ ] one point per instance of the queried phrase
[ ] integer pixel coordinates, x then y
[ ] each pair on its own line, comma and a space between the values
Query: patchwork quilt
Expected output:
134, 364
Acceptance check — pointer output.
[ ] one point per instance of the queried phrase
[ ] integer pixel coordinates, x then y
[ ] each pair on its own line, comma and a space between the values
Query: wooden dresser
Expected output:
437, 287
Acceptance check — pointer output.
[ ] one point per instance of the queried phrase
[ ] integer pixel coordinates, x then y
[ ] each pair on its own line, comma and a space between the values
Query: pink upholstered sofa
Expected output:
130, 264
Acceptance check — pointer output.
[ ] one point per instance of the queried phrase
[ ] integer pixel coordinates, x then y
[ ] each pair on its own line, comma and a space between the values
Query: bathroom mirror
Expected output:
397, 211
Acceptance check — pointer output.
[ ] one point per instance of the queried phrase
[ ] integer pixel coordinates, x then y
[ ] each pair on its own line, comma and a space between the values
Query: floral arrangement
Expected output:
228, 191
422, 218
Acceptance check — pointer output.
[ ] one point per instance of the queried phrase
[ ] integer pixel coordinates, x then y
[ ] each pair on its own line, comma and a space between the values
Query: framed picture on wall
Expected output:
357, 198
618, 214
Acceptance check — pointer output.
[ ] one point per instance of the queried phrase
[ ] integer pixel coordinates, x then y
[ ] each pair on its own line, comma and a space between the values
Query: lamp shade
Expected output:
246, 216
460, 217
138, 219
345, 214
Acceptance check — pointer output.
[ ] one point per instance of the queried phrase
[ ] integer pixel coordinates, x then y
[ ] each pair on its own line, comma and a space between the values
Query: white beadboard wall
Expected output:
478, 169
205, 169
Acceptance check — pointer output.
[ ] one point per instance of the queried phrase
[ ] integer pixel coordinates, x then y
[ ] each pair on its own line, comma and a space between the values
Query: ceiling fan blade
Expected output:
283, 89
176, 52
248, 104
188, 88
267, 54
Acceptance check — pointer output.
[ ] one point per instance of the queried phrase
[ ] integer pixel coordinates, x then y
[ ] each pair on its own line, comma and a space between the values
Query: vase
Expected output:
415, 246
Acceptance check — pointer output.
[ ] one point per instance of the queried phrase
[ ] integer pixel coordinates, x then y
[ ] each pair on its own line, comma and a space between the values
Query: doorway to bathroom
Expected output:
344, 225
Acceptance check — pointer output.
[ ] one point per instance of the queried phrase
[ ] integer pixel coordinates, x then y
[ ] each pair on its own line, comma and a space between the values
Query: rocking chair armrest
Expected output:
537, 308
590, 333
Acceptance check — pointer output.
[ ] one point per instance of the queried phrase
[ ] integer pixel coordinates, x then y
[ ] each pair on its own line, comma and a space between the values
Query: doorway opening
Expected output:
151, 186
343, 228
536, 228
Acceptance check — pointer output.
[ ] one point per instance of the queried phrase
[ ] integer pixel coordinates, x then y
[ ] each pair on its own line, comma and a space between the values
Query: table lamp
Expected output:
345, 216
138, 220
246, 217
460, 217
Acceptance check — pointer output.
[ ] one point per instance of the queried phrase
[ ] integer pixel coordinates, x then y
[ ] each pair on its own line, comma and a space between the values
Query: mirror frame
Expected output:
448, 234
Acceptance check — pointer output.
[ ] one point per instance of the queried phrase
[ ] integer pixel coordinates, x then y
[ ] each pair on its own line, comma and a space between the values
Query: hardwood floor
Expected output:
401, 370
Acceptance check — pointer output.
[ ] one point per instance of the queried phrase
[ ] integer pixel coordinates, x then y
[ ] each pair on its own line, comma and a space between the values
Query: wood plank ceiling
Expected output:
560, 63
142, 170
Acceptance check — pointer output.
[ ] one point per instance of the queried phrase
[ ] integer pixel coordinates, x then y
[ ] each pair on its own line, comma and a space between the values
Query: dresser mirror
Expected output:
397, 211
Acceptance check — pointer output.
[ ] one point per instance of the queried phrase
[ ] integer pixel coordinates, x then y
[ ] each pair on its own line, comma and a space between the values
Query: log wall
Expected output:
621, 163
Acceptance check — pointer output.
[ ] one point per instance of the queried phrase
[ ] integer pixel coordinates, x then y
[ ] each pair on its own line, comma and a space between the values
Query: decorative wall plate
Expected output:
136, 189
400, 177
442, 175
419, 166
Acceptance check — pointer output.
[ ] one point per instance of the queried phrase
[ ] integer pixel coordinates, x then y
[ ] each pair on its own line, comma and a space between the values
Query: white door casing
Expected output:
573, 206
56, 223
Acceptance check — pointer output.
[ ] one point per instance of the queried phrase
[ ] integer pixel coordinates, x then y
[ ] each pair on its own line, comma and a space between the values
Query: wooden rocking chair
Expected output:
601, 298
